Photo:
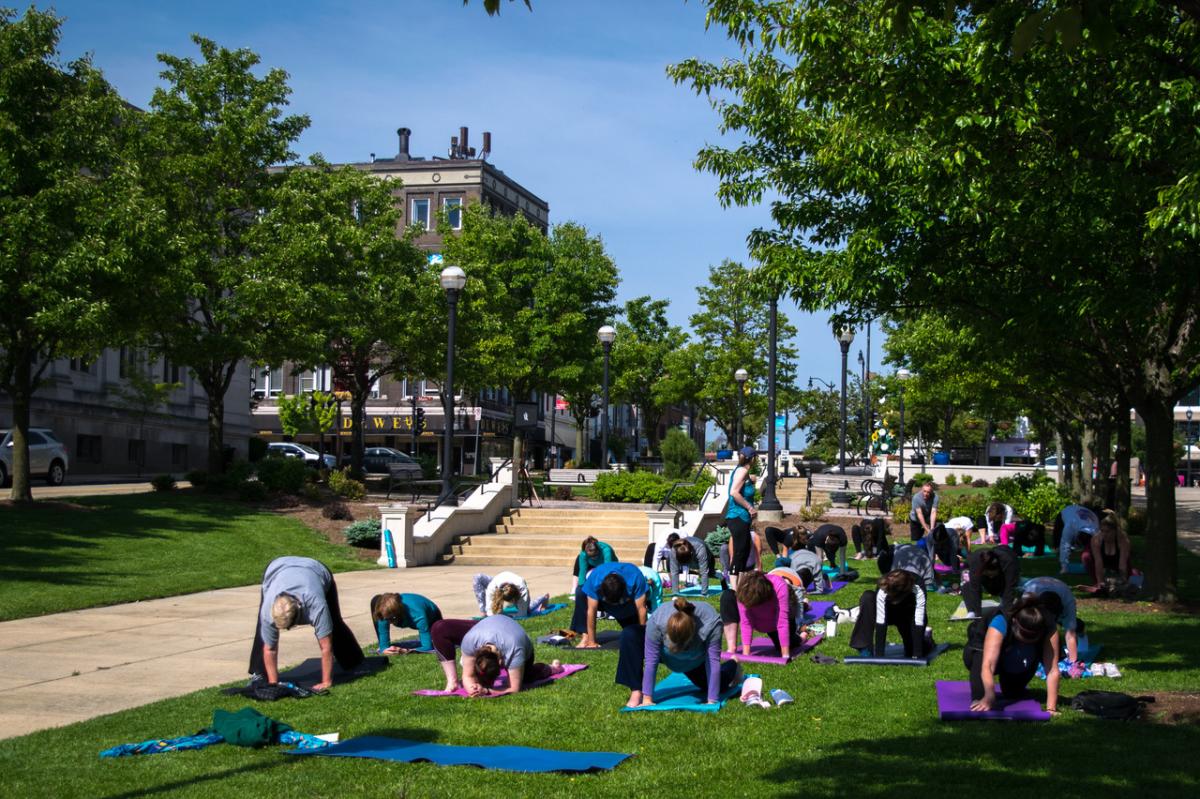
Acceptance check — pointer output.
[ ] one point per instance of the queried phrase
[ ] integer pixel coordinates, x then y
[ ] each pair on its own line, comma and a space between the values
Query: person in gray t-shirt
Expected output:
498, 642
298, 590
923, 515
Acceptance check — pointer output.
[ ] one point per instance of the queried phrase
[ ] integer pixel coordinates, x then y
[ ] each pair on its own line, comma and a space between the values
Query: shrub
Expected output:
966, 479
678, 453
363, 533
257, 450
251, 491
647, 488
951, 480
282, 474
921, 478
284, 501
972, 506
714, 540
429, 468
1042, 503
311, 492
980, 483
231, 480
815, 512
343, 485
339, 511
163, 482
900, 511
562, 492
197, 477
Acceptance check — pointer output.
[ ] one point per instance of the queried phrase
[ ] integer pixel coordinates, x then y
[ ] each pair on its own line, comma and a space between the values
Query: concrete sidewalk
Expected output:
68, 667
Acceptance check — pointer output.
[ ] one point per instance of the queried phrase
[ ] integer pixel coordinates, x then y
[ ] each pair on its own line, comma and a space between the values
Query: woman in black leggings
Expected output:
898, 601
1008, 648
740, 512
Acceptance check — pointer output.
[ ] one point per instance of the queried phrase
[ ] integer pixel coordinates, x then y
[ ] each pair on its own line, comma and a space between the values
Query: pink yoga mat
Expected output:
954, 704
762, 651
502, 683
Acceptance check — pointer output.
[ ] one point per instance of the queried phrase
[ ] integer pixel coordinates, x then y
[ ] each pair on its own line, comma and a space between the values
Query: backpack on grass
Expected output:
1110, 704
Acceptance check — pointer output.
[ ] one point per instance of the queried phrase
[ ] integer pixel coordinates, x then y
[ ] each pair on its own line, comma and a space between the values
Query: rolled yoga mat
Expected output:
502, 683
677, 692
954, 704
502, 758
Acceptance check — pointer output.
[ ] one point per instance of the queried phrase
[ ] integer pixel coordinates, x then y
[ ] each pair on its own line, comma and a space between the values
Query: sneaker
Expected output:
255, 677
1111, 670
781, 697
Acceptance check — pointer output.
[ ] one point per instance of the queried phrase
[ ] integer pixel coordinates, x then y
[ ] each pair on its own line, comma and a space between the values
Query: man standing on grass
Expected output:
295, 591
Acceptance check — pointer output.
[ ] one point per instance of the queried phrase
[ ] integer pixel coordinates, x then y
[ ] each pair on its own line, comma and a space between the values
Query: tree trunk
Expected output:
1123, 455
216, 428
1087, 463
22, 396
517, 463
1161, 544
358, 416
581, 453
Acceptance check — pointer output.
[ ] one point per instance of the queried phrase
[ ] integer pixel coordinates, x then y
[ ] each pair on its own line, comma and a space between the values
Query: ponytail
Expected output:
681, 627
506, 594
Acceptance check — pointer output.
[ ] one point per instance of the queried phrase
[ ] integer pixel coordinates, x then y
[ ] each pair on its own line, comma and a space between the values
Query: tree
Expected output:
314, 413
922, 166
142, 395
531, 306
639, 360
75, 229
214, 130
373, 300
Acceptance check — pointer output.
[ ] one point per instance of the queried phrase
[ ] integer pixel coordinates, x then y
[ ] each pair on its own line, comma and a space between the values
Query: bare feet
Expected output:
556, 667
587, 643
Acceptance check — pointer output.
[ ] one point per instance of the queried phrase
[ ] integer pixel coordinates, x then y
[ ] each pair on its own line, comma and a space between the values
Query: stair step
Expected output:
568, 539
560, 554
516, 562
590, 513
582, 529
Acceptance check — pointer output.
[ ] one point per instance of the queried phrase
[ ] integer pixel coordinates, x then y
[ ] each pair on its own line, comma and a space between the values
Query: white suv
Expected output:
290, 449
47, 456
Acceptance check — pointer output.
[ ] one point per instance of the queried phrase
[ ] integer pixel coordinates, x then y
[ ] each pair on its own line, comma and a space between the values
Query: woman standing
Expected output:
740, 512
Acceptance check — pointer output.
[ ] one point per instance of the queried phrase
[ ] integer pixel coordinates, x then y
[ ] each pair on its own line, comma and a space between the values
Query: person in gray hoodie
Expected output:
686, 553
686, 638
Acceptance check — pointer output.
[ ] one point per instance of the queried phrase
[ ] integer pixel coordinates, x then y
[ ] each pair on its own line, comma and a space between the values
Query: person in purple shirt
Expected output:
686, 638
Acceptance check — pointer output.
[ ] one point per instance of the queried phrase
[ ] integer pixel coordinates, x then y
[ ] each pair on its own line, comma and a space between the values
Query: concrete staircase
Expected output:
552, 537
792, 490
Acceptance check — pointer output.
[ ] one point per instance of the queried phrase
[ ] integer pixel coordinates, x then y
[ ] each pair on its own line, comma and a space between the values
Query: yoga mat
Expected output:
413, 645
763, 651
837, 585
960, 613
503, 758
894, 656
714, 589
677, 692
942, 568
512, 611
816, 611
1047, 553
954, 704
308, 673
502, 682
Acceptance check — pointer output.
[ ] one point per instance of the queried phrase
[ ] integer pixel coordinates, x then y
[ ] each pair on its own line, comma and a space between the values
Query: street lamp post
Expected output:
452, 279
770, 508
606, 334
740, 378
903, 375
845, 337
1188, 440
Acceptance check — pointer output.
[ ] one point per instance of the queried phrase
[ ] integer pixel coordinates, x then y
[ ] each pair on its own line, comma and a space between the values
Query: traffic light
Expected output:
419, 423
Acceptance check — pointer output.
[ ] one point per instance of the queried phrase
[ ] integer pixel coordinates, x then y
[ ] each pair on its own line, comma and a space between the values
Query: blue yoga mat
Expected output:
512, 611
677, 692
714, 589
503, 758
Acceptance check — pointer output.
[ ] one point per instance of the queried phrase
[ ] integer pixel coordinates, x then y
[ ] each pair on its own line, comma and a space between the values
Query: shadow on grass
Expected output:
1054, 759
216, 776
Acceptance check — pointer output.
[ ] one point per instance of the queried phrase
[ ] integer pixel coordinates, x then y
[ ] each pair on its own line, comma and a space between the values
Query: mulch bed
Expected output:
1173, 708
310, 515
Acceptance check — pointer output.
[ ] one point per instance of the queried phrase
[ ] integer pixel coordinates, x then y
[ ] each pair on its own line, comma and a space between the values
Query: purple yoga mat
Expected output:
834, 587
816, 610
502, 682
954, 704
761, 651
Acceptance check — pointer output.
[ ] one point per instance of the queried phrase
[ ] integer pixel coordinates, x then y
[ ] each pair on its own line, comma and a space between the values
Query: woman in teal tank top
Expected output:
740, 512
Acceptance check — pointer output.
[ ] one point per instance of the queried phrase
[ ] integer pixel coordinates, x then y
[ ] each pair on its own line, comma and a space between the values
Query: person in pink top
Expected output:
764, 603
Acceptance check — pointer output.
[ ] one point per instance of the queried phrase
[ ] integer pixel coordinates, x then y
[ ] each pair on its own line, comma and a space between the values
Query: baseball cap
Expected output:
747, 452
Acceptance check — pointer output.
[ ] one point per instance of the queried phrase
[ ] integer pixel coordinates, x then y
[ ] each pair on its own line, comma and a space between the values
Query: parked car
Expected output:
380, 460
290, 449
47, 456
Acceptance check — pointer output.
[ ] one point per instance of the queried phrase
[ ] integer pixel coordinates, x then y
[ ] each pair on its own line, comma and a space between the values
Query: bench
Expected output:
826, 483
879, 492
574, 476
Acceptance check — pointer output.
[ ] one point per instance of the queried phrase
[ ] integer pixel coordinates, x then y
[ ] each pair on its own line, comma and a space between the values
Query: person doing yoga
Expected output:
686, 638
620, 590
780, 541
1023, 534
507, 588
488, 645
869, 537
897, 601
411, 611
998, 516
766, 603
807, 563
1108, 551
591, 554
298, 590
685, 554
740, 512
828, 539
753, 555
1007, 648
1056, 597
910, 558
1074, 524
997, 571
923, 514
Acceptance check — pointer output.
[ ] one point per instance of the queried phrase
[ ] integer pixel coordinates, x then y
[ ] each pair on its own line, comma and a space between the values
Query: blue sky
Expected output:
574, 93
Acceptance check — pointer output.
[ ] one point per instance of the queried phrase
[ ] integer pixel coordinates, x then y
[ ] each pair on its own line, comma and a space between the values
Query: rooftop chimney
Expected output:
462, 142
487, 145
403, 133
454, 147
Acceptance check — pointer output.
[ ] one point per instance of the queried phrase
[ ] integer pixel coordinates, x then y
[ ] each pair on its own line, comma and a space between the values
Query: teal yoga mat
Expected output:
503, 758
677, 692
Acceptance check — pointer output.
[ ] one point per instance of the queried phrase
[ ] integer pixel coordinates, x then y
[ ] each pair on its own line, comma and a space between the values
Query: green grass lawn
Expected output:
855, 731
105, 550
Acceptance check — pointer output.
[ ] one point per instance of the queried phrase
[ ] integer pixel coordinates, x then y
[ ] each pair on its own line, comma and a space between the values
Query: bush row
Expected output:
1035, 497
647, 488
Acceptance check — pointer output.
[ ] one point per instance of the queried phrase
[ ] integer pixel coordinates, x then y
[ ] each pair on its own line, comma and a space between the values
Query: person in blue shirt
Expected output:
740, 512
411, 611
1007, 647
620, 590
591, 554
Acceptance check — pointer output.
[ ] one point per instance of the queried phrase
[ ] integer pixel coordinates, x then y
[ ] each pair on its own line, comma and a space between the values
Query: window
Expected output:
179, 453
125, 363
83, 364
170, 373
420, 213
137, 450
88, 448
453, 208
314, 380
272, 382
35, 439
